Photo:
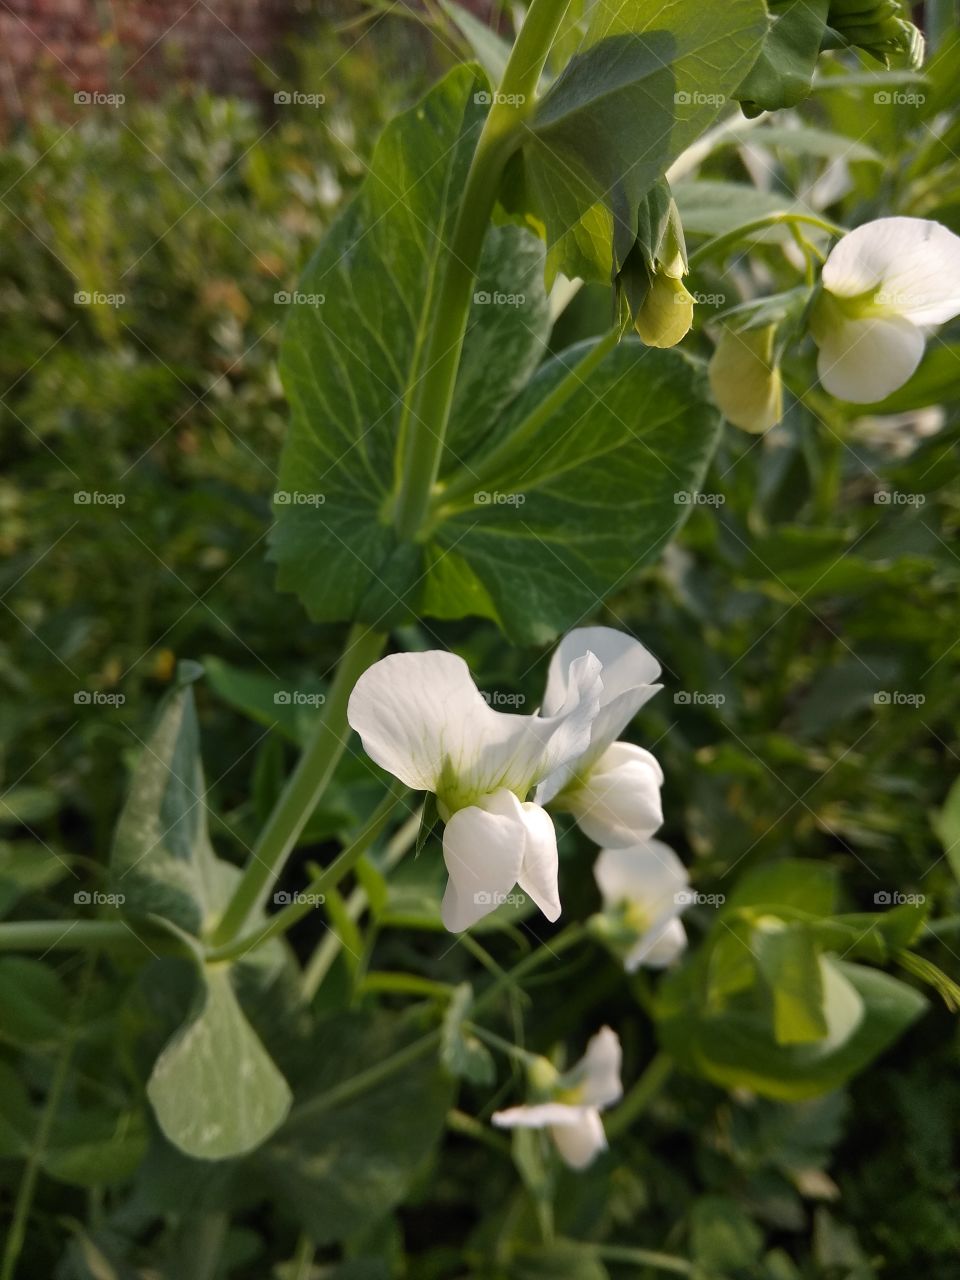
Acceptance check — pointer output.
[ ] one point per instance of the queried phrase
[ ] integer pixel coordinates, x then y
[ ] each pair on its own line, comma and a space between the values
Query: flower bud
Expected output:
650, 281
666, 316
745, 378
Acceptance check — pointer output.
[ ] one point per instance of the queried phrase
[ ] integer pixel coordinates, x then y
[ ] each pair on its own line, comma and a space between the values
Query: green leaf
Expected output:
783, 74
789, 962
34, 1005
95, 1147
266, 699
162, 860
865, 1010
461, 1053
342, 1161
714, 208
214, 1088
722, 1237
645, 84
595, 476
26, 867
562, 1260
488, 47
428, 821
947, 825
348, 364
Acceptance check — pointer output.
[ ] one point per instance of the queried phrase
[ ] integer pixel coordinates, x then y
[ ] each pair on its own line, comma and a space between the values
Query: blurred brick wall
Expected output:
112, 46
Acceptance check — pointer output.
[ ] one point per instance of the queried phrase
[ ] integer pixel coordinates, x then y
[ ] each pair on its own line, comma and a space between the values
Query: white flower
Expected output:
884, 284
644, 890
422, 718
612, 788
573, 1117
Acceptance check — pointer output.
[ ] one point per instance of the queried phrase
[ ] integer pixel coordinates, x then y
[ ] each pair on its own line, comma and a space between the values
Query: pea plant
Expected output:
449, 459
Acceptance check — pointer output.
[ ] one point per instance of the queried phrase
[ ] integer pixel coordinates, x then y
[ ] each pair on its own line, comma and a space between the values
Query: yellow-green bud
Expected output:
667, 312
745, 380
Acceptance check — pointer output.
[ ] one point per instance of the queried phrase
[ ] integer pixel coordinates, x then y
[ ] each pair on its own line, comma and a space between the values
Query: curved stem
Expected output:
304, 787
760, 224
432, 395
640, 1096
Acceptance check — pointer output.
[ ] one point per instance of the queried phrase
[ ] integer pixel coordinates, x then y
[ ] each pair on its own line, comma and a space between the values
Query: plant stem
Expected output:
640, 1096
357, 1085
64, 935
546, 951
759, 224
328, 877
486, 466
643, 1258
428, 410
304, 787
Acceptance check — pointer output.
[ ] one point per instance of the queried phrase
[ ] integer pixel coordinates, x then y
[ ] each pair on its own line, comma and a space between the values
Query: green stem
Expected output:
759, 224
405, 984
428, 408
70, 935
643, 1258
640, 1095
546, 951
523, 1056
467, 480
303, 1258
358, 1084
327, 879
304, 787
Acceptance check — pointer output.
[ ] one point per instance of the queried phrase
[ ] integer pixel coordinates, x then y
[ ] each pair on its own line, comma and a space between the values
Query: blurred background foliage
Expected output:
807, 620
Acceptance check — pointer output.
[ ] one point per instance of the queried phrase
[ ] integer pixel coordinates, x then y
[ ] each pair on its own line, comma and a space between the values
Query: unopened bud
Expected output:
745, 379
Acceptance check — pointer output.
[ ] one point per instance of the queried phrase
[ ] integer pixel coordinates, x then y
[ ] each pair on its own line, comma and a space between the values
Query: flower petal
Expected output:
538, 872
628, 673
649, 875
538, 1116
579, 1144
422, 718
658, 947
865, 360
597, 1074
418, 715
618, 802
483, 852
913, 262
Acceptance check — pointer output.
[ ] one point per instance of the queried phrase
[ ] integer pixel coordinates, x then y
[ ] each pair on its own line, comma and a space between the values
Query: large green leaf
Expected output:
214, 1088
348, 1153
348, 364
644, 85
580, 496
162, 861
784, 71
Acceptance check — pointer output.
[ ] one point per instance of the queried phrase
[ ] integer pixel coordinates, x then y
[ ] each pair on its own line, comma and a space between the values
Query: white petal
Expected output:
866, 360
421, 717
628, 673
914, 262
418, 714
659, 947
579, 1144
597, 1074
538, 871
538, 1116
483, 851
648, 874
618, 802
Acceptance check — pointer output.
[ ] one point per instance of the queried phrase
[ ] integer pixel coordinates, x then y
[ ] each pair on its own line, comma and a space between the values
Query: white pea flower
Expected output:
884, 285
613, 788
422, 718
573, 1114
644, 890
